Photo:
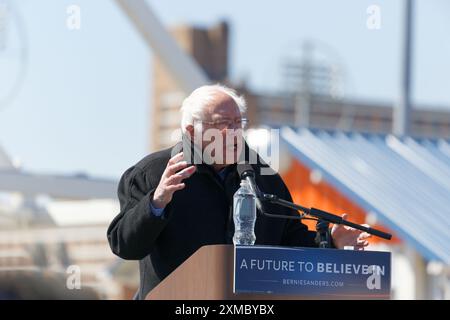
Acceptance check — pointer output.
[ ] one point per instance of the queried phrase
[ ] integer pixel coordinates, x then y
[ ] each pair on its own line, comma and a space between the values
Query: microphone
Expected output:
247, 173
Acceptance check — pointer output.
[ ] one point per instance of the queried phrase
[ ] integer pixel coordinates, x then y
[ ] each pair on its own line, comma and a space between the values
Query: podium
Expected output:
227, 272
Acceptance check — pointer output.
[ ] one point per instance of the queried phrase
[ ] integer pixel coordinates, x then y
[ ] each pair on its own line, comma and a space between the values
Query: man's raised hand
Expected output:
171, 180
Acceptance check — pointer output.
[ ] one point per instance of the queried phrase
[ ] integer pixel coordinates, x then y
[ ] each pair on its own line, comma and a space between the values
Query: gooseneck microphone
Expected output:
246, 172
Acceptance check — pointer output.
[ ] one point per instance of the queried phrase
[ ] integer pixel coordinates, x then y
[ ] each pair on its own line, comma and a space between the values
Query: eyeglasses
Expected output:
227, 123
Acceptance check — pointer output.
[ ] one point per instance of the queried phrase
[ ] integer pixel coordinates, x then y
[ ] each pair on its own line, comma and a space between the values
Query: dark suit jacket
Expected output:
198, 215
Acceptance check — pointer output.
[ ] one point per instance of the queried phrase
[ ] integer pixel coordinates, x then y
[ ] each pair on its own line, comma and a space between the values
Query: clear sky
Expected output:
84, 104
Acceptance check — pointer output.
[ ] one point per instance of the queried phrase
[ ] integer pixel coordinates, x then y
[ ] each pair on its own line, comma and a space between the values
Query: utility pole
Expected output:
402, 112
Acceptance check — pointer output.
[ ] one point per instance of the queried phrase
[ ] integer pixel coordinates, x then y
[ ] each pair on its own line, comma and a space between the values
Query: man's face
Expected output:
221, 130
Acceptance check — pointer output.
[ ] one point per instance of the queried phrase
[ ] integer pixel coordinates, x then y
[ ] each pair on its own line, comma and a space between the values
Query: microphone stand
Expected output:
324, 219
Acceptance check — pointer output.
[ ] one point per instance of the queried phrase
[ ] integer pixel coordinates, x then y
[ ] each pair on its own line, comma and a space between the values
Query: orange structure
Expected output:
324, 196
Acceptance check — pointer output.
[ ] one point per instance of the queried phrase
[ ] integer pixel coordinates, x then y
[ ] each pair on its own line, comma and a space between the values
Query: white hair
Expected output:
194, 105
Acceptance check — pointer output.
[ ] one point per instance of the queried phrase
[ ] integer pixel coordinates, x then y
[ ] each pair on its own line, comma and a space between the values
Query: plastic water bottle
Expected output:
244, 215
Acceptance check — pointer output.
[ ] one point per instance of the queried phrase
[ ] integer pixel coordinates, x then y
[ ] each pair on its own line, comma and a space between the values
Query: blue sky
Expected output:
84, 104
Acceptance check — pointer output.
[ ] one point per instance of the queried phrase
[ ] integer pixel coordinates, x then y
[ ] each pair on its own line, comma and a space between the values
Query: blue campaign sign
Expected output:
312, 272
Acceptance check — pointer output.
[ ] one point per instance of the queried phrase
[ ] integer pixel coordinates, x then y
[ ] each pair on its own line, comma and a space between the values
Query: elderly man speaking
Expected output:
177, 200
